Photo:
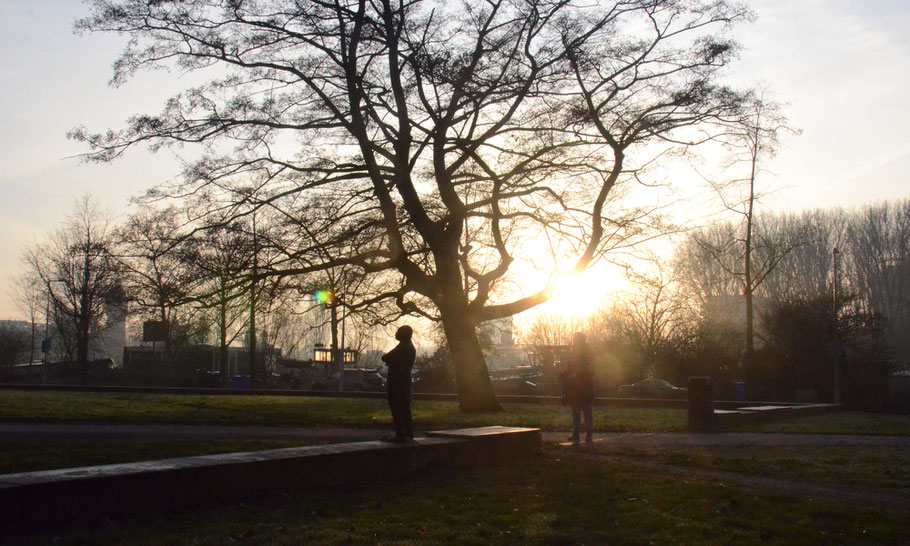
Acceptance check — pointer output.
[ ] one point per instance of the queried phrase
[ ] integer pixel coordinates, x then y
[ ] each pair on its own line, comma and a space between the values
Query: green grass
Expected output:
30, 455
301, 411
845, 422
884, 468
547, 500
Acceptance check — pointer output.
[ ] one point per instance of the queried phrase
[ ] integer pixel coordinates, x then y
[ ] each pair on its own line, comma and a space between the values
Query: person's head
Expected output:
404, 333
579, 339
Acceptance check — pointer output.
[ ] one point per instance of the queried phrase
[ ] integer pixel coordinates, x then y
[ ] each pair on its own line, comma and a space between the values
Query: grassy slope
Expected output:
299, 411
31, 455
545, 501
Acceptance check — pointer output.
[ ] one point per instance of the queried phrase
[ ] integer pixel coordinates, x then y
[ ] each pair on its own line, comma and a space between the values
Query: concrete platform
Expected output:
56, 498
725, 419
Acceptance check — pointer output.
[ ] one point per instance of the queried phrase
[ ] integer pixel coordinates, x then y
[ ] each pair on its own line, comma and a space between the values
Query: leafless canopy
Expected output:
426, 141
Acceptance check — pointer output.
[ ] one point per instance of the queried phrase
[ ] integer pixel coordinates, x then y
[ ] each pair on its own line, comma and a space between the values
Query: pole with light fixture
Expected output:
836, 344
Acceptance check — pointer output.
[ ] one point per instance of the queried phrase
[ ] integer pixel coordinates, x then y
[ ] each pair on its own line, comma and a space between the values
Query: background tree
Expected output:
31, 300
14, 344
155, 277
878, 267
445, 136
80, 272
218, 258
806, 272
752, 140
650, 318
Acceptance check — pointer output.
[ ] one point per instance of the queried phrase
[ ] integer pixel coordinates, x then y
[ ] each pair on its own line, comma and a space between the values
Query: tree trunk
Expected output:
223, 347
82, 345
475, 391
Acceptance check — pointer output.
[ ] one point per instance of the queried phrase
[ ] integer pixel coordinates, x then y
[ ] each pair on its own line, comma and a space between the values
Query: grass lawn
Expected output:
30, 455
844, 422
300, 411
883, 468
548, 500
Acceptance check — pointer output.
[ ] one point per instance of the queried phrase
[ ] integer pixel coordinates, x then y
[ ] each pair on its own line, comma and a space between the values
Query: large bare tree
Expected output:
444, 138
878, 267
80, 272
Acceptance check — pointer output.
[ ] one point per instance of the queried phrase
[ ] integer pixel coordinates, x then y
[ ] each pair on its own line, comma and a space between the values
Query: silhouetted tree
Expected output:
14, 344
441, 137
82, 276
218, 260
29, 296
878, 266
752, 140
156, 279
651, 315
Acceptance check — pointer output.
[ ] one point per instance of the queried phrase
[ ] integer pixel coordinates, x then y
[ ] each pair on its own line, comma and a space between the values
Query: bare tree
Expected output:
444, 136
550, 330
81, 275
806, 273
156, 279
705, 275
13, 344
218, 260
29, 296
652, 314
879, 266
752, 140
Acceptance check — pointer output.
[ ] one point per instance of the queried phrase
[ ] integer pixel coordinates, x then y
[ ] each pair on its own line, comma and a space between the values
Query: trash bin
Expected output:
701, 404
241, 382
739, 391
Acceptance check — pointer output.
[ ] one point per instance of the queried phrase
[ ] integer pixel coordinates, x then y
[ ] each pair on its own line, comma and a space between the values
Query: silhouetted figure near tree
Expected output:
400, 360
578, 386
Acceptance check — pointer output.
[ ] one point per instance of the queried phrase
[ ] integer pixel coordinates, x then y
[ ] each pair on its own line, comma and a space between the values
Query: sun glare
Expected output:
578, 296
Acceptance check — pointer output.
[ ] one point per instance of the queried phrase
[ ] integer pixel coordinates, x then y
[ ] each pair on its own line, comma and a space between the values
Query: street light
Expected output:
836, 344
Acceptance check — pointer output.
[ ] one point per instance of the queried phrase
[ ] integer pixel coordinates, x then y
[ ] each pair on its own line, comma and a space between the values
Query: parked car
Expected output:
354, 380
652, 388
521, 381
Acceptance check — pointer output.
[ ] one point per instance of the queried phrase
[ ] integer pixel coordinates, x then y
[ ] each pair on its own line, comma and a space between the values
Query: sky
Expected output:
841, 66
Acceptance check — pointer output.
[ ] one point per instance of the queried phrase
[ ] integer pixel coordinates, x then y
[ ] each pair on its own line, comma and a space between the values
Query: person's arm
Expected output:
393, 358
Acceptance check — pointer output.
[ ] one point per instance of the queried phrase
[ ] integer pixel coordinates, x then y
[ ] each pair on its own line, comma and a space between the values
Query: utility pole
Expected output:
336, 352
46, 344
836, 348
253, 274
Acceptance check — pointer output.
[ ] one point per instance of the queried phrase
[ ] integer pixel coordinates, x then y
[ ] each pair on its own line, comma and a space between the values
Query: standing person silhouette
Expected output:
578, 380
400, 360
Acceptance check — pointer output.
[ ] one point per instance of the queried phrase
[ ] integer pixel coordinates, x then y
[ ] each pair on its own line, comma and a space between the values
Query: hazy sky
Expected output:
842, 65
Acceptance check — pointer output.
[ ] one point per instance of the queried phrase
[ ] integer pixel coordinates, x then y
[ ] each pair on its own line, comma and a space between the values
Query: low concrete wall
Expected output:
55, 498
724, 420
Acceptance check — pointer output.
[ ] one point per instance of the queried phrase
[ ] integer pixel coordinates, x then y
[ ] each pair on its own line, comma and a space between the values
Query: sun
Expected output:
578, 296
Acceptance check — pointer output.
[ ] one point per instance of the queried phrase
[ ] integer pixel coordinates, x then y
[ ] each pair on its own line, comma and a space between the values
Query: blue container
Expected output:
739, 391
241, 382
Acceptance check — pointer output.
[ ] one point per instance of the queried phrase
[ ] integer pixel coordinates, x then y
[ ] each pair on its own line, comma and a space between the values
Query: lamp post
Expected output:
46, 343
329, 299
836, 348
